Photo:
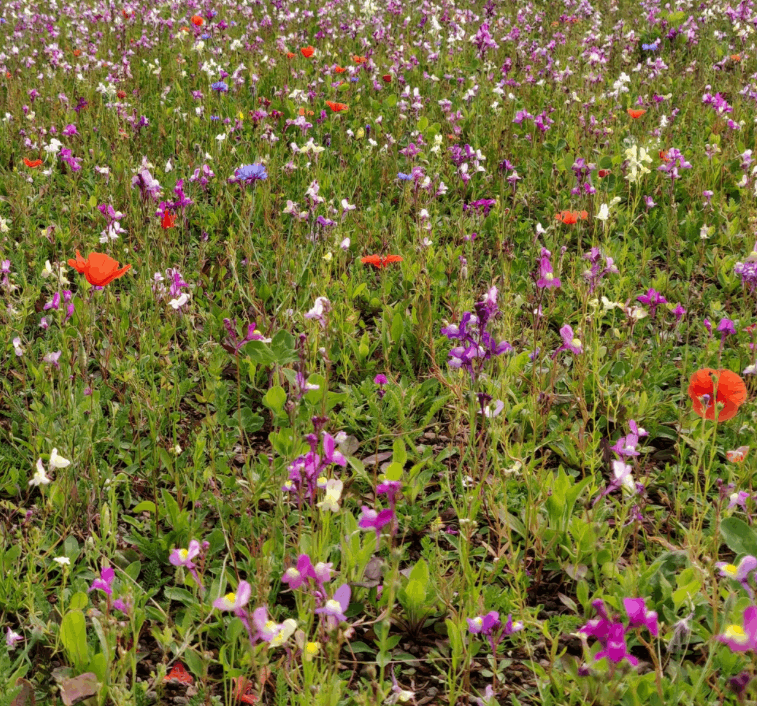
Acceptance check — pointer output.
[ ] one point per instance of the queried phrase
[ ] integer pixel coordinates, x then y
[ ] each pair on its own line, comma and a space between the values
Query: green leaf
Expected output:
390, 101
283, 347
144, 506
423, 123
250, 421
78, 601
73, 635
739, 536
275, 398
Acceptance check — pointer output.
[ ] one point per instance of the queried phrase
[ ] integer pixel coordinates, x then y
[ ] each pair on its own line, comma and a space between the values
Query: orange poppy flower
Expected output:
127, 15
197, 21
77, 52
570, 217
731, 393
636, 112
168, 221
378, 261
302, 112
664, 156
290, 55
339, 69
336, 107
359, 59
307, 52
387, 78
99, 269
32, 163
736, 57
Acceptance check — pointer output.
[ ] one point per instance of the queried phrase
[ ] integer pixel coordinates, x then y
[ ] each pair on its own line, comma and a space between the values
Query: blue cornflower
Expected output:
205, 36
215, 117
251, 173
404, 177
651, 47
220, 86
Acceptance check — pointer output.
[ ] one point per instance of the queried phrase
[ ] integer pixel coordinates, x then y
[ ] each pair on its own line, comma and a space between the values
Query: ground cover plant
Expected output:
378, 352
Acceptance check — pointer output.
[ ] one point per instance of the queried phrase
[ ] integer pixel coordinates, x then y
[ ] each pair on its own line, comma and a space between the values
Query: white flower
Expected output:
62, 560
540, 230
221, 137
604, 213
177, 303
622, 473
347, 206
39, 478
345, 244
18, 350
54, 146
168, 166
333, 495
704, 232
57, 461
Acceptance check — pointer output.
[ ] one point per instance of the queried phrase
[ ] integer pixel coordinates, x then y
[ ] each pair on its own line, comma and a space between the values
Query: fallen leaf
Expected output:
26, 696
74, 690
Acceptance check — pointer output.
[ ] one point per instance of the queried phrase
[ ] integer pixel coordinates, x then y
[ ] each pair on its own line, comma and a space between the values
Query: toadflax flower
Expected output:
333, 495
742, 639
39, 477
334, 608
235, 600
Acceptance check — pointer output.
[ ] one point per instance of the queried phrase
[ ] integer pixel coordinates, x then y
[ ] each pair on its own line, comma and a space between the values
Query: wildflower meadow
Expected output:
378, 352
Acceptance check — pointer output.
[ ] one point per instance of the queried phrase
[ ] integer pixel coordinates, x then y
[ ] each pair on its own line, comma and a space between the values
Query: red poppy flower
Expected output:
290, 55
336, 107
77, 52
180, 674
664, 156
731, 393
359, 59
339, 69
169, 220
99, 269
121, 94
570, 217
307, 52
197, 21
378, 261
387, 78
602, 173
32, 163
636, 112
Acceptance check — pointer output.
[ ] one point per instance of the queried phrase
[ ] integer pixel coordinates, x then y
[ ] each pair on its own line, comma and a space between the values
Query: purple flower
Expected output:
52, 358
739, 573
570, 341
335, 608
236, 600
679, 312
250, 173
652, 298
220, 86
547, 278
725, 328
295, 577
742, 639
12, 638
484, 624
370, 519
185, 558
639, 616
615, 648
104, 583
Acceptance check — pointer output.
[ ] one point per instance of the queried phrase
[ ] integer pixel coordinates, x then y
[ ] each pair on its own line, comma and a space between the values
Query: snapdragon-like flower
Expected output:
547, 277
741, 572
235, 600
321, 307
105, 582
296, 576
12, 639
333, 495
653, 299
186, 557
570, 341
742, 638
335, 608
39, 477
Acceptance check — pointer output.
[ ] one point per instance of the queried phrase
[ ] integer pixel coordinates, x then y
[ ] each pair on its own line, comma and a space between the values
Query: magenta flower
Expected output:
616, 649
742, 639
370, 519
484, 624
639, 616
235, 600
104, 583
570, 341
739, 573
547, 278
653, 299
295, 577
335, 607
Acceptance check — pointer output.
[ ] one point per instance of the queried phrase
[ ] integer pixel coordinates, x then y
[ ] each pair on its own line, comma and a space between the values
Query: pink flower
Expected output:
335, 607
104, 583
236, 600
